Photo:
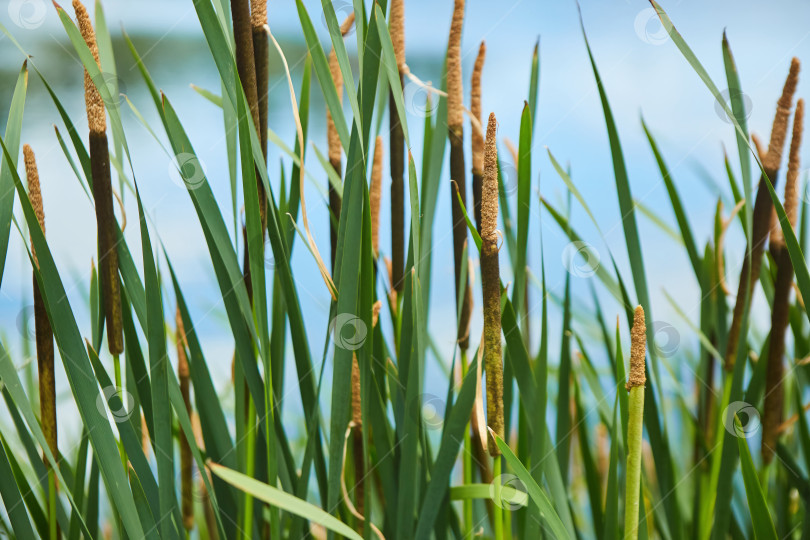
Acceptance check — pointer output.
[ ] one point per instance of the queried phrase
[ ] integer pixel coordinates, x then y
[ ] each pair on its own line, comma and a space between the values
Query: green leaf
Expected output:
282, 500
757, 505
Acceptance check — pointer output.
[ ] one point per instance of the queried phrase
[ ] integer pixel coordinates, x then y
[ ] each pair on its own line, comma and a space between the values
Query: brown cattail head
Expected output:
375, 194
96, 117
491, 285
43, 331
182, 359
34, 193
397, 26
475, 109
792, 177
780, 121
489, 189
333, 140
638, 344
258, 13
455, 94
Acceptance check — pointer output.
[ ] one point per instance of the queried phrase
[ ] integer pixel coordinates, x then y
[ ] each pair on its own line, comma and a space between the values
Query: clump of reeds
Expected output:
774, 391
491, 285
102, 192
635, 386
458, 189
333, 142
763, 207
476, 135
183, 376
261, 57
397, 152
44, 337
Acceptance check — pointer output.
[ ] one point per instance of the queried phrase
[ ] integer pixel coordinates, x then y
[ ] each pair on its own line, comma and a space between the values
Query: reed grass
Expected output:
674, 466
774, 401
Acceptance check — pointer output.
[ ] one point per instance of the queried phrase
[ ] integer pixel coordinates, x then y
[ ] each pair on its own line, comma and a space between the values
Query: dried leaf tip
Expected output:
397, 24
780, 121
475, 109
489, 190
258, 13
34, 192
96, 118
638, 344
375, 195
455, 108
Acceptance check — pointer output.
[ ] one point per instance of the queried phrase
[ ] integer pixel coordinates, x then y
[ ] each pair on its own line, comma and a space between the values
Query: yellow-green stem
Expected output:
119, 387
497, 522
52, 523
632, 489
250, 466
467, 462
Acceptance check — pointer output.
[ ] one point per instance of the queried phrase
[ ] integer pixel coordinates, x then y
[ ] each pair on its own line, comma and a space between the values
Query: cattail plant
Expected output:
635, 387
780, 314
44, 339
397, 152
102, 192
261, 58
491, 286
455, 132
476, 135
762, 212
183, 376
333, 142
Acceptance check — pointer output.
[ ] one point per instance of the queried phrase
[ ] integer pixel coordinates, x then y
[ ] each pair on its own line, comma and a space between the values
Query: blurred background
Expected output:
643, 73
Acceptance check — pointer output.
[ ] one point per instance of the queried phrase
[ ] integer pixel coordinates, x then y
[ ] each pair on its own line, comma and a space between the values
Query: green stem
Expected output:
250, 466
497, 522
633, 487
52, 523
467, 461
119, 386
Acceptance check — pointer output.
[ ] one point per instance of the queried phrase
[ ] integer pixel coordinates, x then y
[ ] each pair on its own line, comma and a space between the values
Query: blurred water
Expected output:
642, 71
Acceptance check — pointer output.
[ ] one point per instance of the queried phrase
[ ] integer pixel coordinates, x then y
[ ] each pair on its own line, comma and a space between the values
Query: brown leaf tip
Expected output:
638, 344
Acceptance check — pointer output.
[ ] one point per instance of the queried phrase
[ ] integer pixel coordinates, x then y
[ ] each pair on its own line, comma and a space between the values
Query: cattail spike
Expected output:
476, 135
397, 27
638, 344
42, 325
792, 176
258, 13
455, 95
96, 117
780, 121
375, 195
491, 285
489, 189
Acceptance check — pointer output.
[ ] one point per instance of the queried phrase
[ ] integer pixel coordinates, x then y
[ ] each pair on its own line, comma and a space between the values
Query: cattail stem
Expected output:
780, 315
762, 213
491, 285
183, 376
261, 60
635, 386
467, 458
44, 344
246, 67
497, 524
458, 183
102, 192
